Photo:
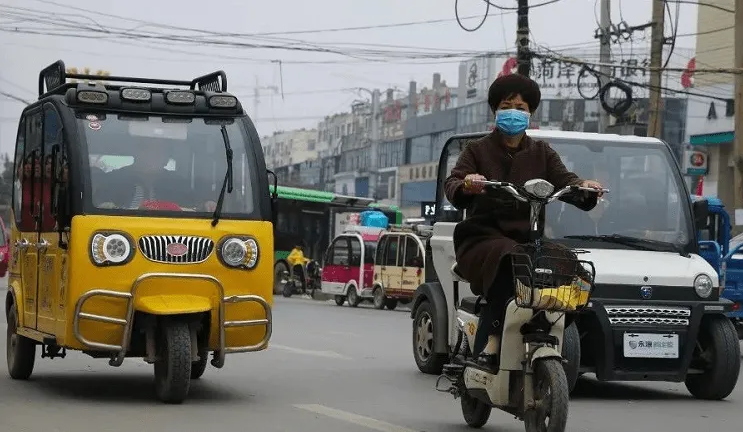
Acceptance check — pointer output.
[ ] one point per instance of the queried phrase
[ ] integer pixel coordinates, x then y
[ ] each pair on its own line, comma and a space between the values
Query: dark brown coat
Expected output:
495, 222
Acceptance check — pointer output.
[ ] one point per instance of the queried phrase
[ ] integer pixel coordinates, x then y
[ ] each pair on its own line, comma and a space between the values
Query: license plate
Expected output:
638, 345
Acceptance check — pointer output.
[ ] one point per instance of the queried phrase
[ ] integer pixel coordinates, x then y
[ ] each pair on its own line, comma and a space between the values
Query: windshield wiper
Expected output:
631, 241
227, 184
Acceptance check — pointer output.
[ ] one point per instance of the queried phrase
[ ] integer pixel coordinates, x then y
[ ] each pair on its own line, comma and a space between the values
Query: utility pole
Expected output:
605, 57
522, 38
738, 171
375, 137
655, 124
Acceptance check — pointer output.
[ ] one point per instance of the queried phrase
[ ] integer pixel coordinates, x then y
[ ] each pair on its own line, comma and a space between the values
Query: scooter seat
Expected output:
455, 275
472, 304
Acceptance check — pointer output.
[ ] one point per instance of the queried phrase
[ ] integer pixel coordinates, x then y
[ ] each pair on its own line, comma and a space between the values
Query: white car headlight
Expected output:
539, 188
703, 285
239, 252
114, 248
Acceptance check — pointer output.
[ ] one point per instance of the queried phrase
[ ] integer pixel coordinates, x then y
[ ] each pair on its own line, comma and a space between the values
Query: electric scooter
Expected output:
525, 377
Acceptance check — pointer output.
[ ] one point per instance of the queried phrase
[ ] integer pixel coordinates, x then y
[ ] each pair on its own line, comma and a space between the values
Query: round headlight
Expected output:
234, 251
114, 248
703, 285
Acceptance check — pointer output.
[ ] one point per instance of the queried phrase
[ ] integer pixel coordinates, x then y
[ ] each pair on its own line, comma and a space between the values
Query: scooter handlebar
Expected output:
515, 191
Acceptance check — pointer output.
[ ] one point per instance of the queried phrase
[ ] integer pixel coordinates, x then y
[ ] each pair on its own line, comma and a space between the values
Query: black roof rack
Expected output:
55, 76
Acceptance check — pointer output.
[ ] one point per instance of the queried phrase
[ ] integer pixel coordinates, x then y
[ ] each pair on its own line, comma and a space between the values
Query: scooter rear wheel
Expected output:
551, 398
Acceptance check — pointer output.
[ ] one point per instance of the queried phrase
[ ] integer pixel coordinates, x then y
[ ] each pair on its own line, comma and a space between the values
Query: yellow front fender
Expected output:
173, 304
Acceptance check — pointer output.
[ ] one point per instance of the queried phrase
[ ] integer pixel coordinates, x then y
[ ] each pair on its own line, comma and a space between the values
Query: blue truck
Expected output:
725, 254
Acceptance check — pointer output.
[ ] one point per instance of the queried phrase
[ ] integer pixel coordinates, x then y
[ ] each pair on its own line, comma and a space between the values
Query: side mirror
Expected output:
274, 195
700, 210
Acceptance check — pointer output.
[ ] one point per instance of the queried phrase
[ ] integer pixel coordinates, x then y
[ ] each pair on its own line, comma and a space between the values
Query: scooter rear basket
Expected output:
551, 278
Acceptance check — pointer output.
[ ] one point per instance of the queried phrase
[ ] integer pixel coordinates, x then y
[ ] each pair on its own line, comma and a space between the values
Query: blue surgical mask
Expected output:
512, 121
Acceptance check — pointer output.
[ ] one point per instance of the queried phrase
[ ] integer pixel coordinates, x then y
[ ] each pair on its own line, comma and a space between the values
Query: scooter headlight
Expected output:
703, 285
239, 252
539, 188
110, 249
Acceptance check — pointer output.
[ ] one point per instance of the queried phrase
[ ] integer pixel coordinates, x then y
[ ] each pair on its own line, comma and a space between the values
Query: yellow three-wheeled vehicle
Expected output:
140, 218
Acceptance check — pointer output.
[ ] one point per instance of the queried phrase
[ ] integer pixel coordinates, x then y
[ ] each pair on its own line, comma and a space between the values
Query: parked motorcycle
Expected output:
302, 279
526, 378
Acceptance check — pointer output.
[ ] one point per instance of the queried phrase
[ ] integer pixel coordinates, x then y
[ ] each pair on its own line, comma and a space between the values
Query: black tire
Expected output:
288, 290
548, 373
199, 367
718, 342
571, 354
173, 369
379, 298
391, 304
339, 300
353, 297
278, 270
475, 412
426, 359
20, 351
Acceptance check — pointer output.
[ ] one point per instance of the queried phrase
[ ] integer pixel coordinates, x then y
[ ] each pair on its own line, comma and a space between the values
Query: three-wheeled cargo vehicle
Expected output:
655, 313
139, 221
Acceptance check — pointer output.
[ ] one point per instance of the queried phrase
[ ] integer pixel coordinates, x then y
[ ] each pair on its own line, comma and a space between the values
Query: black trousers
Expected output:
497, 296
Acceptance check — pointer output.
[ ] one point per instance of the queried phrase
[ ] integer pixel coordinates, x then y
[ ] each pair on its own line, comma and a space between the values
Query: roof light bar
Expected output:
132, 94
180, 97
222, 101
92, 97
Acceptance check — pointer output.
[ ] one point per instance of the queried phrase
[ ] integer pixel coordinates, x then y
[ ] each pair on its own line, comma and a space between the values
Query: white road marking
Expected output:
353, 418
321, 353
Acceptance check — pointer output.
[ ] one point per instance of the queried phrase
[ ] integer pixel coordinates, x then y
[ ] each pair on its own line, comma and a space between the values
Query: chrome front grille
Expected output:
155, 248
648, 315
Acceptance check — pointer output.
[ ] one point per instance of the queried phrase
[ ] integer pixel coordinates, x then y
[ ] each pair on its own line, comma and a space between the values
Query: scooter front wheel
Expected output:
550, 397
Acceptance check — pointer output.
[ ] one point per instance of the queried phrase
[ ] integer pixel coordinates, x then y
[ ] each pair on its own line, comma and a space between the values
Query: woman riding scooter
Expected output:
495, 224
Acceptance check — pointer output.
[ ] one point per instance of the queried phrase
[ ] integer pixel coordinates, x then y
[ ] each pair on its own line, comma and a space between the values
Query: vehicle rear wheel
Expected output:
198, 367
475, 412
353, 297
288, 290
717, 353
428, 361
339, 300
20, 351
379, 298
391, 304
278, 272
173, 367
550, 397
571, 354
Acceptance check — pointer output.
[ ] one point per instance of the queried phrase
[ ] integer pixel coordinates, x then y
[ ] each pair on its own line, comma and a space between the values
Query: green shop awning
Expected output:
708, 139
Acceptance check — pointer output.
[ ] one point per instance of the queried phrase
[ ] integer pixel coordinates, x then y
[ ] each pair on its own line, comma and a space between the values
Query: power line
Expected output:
698, 3
511, 8
706, 32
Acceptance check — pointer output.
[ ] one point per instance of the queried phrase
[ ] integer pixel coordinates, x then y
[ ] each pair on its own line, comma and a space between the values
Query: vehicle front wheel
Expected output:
550, 397
199, 367
717, 354
475, 412
571, 354
19, 350
379, 298
353, 297
339, 300
173, 367
428, 361
391, 304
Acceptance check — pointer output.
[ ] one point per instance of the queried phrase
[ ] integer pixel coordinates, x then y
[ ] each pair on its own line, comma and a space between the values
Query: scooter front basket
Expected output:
551, 278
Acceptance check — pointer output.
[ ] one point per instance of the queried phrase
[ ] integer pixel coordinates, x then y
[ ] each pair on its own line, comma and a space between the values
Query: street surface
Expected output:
329, 368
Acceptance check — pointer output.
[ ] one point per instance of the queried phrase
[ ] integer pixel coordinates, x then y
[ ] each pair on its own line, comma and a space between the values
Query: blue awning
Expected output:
715, 138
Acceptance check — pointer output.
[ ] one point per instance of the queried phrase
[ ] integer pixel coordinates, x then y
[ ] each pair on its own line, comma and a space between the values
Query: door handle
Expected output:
22, 244
43, 245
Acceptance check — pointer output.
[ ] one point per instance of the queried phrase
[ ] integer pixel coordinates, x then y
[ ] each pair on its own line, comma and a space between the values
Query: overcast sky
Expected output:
312, 89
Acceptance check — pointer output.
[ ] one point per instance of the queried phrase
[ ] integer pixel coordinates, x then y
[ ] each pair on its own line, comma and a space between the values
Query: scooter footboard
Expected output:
494, 386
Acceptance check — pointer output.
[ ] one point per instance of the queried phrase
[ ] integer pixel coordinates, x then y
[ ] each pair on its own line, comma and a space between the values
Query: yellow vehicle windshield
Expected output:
146, 164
